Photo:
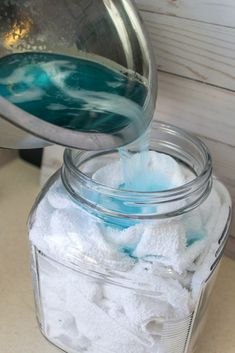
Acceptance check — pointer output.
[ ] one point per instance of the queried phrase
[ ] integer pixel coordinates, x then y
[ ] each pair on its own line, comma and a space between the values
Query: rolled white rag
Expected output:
207, 222
89, 287
52, 292
40, 224
146, 312
208, 257
95, 324
116, 311
70, 221
91, 247
169, 298
123, 240
59, 322
55, 199
71, 234
61, 328
58, 197
161, 172
163, 240
168, 242
110, 175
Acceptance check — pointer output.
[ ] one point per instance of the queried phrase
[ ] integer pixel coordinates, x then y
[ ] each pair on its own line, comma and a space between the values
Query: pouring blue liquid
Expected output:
77, 94
73, 93
83, 95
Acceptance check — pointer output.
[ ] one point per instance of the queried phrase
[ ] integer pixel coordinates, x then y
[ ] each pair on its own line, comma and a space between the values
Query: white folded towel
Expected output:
58, 197
169, 259
95, 324
160, 172
166, 241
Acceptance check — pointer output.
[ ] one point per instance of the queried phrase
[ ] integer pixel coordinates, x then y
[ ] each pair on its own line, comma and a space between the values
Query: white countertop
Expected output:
19, 185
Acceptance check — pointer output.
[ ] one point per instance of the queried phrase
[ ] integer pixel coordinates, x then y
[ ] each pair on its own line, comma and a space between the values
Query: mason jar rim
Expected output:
202, 181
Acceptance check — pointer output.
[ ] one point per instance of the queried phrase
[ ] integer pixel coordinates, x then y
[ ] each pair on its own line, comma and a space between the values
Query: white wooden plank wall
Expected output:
201, 108
194, 42
206, 111
196, 50
220, 12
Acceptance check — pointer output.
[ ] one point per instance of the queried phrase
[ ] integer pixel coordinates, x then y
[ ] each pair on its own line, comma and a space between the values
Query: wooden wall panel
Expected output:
196, 50
218, 12
203, 110
224, 168
200, 108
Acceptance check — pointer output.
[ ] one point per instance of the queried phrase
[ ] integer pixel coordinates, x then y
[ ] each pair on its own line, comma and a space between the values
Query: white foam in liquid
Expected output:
74, 93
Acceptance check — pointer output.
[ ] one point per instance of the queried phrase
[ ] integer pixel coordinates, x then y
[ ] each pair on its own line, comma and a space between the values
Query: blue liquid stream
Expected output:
83, 95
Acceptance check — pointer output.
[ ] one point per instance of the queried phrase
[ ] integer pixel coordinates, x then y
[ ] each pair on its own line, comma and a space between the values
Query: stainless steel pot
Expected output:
110, 31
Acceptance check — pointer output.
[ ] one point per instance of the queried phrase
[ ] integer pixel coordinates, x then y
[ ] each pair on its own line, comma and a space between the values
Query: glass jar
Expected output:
127, 271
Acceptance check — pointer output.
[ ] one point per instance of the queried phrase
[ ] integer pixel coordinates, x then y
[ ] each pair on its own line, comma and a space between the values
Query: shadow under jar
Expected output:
93, 293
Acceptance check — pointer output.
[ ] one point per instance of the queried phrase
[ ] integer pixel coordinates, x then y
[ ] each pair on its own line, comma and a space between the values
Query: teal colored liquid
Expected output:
138, 175
78, 94
73, 93
83, 95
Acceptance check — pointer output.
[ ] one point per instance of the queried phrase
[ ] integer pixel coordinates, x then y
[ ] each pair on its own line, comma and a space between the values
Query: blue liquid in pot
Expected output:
73, 93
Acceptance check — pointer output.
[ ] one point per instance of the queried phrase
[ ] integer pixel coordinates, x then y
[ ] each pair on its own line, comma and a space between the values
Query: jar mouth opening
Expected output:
118, 204
72, 156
